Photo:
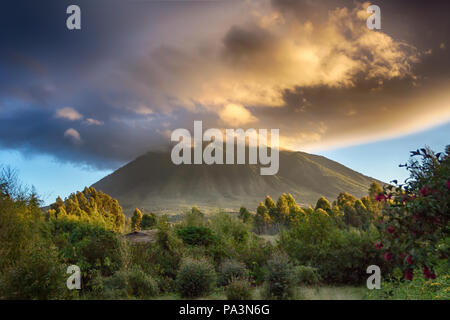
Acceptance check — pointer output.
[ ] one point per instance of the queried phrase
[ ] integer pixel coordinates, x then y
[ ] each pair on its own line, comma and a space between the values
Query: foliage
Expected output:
279, 280
306, 275
89, 246
124, 284
239, 289
229, 270
323, 204
194, 217
341, 256
36, 275
195, 278
245, 215
196, 236
89, 206
136, 220
416, 215
167, 250
149, 220
29, 264
255, 255
397, 288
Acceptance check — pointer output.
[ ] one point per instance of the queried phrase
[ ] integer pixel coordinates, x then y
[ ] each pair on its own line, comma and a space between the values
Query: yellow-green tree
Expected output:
136, 220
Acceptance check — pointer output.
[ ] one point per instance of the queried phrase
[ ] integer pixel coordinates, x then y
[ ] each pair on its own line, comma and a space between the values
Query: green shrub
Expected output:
341, 256
148, 221
306, 275
195, 278
239, 289
125, 284
255, 256
419, 288
229, 270
37, 275
168, 249
89, 246
279, 280
141, 284
110, 288
196, 236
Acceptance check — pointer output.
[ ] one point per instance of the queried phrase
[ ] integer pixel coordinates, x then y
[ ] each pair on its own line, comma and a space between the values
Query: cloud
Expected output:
236, 115
311, 69
73, 135
68, 113
93, 122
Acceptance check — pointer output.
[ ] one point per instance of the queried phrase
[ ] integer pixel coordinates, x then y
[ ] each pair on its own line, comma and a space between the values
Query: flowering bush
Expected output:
415, 222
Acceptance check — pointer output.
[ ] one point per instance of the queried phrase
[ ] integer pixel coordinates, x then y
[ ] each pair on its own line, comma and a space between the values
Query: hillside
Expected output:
154, 183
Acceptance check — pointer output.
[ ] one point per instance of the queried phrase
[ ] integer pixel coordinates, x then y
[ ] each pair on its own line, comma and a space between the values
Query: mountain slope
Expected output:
153, 182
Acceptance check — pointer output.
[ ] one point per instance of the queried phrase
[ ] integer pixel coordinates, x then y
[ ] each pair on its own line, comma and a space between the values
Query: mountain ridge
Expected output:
154, 183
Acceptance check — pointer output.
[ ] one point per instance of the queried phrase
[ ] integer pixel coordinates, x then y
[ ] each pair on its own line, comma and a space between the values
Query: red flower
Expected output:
380, 197
428, 273
410, 260
415, 218
379, 245
409, 274
388, 256
424, 191
448, 184
390, 229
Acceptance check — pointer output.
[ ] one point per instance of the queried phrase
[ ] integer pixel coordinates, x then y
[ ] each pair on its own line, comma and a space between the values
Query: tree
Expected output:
283, 209
136, 220
271, 208
416, 214
262, 218
89, 206
148, 220
374, 190
244, 214
323, 203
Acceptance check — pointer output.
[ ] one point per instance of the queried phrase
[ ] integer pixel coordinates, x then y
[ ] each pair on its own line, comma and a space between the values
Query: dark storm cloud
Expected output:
115, 89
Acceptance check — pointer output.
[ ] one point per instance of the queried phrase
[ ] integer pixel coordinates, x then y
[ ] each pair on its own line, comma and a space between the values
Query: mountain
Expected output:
154, 183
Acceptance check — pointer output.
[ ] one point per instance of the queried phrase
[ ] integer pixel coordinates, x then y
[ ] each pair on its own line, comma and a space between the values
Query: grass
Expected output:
303, 293
331, 293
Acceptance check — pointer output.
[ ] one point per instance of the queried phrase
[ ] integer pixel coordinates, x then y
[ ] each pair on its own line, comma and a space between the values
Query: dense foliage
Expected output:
273, 251
89, 206
195, 278
415, 224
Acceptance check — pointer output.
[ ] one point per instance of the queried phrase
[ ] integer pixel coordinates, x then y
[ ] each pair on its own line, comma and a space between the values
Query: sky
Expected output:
76, 105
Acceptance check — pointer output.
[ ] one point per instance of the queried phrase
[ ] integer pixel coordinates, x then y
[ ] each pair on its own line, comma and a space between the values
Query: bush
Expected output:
416, 214
306, 275
239, 289
89, 246
141, 284
196, 236
195, 278
125, 284
38, 275
255, 256
419, 288
231, 269
167, 250
279, 280
148, 221
110, 288
341, 256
